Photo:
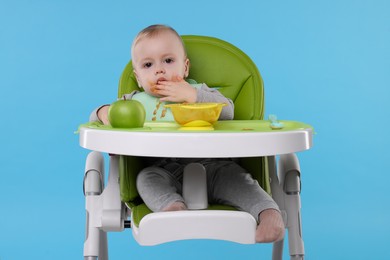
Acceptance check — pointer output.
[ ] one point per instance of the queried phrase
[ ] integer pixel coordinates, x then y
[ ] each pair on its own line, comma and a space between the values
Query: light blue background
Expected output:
326, 63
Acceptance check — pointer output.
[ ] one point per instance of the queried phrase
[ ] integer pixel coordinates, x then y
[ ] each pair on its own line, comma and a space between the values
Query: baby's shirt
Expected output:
155, 110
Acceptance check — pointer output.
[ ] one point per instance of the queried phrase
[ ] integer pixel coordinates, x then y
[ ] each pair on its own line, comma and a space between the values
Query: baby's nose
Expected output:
160, 70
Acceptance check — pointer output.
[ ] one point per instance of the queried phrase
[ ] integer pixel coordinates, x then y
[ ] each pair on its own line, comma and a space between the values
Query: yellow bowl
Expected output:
196, 114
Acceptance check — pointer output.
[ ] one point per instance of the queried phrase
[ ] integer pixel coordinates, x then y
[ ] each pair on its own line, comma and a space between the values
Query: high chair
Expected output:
116, 205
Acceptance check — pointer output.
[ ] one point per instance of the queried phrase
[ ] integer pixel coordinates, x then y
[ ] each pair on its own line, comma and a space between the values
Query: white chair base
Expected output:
106, 213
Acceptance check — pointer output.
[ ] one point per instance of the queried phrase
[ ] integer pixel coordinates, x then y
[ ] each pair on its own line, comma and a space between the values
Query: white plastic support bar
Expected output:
195, 186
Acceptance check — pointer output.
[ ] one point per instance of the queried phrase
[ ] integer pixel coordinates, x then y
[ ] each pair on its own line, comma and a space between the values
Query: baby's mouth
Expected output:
160, 79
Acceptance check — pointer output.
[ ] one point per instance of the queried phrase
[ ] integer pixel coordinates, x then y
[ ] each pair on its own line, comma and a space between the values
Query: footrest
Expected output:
162, 227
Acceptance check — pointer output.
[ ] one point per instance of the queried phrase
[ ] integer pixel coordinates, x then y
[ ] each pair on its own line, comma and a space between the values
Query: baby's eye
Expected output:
147, 65
168, 60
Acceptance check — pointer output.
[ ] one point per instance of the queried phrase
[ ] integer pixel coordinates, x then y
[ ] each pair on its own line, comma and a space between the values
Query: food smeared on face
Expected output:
153, 89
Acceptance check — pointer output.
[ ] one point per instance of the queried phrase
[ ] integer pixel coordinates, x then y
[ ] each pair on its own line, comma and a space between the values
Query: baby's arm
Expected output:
100, 114
206, 94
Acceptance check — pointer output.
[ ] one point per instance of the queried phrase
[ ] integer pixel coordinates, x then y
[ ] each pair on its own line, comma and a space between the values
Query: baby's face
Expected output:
159, 58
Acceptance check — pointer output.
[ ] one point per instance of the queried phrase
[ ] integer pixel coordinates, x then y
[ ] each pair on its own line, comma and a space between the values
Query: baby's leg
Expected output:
271, 227
230, 184
160, 190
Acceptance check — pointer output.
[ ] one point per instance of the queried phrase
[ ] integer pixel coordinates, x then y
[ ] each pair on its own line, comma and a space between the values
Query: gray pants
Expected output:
227, 184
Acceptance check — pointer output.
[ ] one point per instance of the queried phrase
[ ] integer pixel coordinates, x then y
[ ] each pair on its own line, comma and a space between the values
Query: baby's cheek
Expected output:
176, 78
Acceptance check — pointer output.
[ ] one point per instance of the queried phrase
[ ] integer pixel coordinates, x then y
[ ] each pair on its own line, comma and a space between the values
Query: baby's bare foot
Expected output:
178, 205
271, 227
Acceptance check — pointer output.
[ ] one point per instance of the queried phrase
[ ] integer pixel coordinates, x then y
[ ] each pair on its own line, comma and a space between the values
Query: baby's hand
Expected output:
102, 114
176, 90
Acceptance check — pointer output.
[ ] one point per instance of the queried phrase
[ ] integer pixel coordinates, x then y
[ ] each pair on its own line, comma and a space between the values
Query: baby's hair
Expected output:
152, 31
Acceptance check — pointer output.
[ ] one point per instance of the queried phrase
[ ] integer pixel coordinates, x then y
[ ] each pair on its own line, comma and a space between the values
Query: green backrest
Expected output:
218, 64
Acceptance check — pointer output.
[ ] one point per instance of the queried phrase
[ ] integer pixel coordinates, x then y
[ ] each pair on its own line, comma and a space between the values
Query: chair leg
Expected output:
105, 210
91, 244
93, 186
103, 246
293, 208
296, 257
290, 176
277, 250
286, 188
95, 246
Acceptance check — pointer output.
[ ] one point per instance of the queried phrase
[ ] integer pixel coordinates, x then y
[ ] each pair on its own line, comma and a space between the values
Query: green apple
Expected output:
126, 114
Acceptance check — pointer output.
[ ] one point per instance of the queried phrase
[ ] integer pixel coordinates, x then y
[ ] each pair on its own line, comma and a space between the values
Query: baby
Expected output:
161, 66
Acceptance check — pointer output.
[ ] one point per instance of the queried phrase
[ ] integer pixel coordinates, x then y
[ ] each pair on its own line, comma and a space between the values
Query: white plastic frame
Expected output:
107, 213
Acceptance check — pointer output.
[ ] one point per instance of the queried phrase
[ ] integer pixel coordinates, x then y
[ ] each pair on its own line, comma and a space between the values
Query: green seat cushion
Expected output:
129, 167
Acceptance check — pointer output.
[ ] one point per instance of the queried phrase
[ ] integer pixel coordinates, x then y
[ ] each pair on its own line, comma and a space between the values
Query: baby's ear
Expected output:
136, 77
187, 68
